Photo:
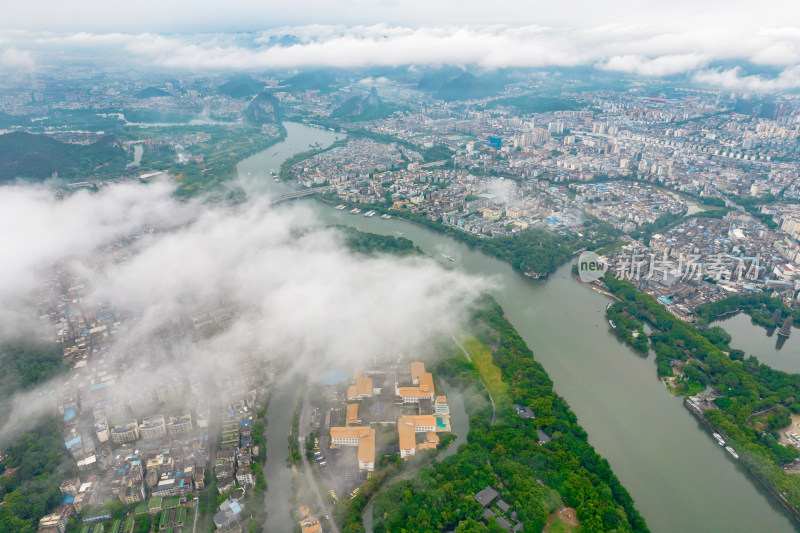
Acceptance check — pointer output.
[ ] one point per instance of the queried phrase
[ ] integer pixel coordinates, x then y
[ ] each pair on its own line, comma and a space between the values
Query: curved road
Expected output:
302, 433
484, 384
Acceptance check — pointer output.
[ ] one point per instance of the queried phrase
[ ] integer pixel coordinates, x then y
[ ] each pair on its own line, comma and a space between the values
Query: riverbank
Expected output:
751, 472
595, 287
742, 387
535, 252
533, 461
678, 478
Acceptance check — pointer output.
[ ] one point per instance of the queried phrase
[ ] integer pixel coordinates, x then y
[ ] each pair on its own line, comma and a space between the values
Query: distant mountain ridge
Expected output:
315, 80
369, 107
469, 87
151, 92
241, 86
263, 109
38, 157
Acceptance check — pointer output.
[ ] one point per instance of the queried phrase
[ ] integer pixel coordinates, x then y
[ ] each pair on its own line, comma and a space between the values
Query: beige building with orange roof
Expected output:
361, 436
362, 388
408, 427
352, 415
423, 385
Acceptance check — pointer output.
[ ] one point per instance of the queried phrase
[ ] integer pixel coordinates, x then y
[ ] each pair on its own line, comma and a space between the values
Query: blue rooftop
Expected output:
334, 377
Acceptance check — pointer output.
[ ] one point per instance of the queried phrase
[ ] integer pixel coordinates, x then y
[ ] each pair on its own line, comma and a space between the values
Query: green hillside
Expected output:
241, 86
537, 104
263, 109
151, 92
24, 155
369, 107
319, 80
467, 86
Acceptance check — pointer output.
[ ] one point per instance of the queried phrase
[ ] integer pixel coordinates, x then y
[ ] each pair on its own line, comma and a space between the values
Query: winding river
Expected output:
681, 480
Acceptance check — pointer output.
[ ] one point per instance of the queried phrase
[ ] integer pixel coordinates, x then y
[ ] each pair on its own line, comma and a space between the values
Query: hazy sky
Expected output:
644, 37
252, 15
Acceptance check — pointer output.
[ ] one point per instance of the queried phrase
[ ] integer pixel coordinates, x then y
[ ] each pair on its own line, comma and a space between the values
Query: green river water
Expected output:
680, 479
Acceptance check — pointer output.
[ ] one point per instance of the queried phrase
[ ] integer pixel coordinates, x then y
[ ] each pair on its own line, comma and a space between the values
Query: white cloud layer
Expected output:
13, 59
297, 293
641, 49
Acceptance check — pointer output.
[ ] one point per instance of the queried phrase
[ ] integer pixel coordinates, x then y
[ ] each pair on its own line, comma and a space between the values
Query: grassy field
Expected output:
482, 359
558, 526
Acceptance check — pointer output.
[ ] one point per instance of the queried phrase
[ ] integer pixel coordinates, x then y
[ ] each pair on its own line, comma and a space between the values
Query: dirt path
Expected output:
568, 515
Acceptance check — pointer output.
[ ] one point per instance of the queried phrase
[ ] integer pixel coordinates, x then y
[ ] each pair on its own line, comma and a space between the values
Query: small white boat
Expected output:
448, 257
611, 323
386, 217
370, 213
340, 207
732, 452
355, 211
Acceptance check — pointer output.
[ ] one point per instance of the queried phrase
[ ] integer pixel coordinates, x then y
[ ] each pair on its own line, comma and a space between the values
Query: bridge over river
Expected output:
298, 194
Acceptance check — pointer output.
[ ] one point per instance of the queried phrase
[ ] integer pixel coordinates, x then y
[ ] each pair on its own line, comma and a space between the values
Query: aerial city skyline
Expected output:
399, 266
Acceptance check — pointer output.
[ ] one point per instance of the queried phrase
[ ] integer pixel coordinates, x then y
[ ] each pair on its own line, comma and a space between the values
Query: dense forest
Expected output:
535, 479
755, 401
26, 364
761, 307
530, 104
371, 243
37, 460
533, 251
24, 155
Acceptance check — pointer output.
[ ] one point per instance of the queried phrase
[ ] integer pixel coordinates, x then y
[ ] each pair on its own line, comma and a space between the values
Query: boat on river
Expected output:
355, 211
340, 207
732, 452
611, 323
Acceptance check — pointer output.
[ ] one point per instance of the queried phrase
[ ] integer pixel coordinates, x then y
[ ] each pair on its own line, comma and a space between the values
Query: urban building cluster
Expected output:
148, 434
388, 409
704, 260
691, 178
